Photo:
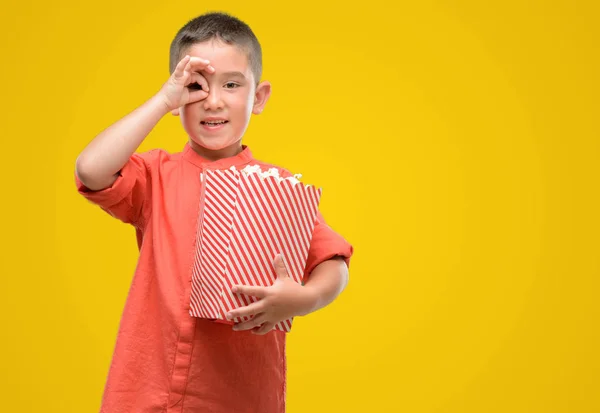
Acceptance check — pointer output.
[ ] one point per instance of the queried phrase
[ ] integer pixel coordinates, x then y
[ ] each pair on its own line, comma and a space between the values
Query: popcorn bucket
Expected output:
248, 217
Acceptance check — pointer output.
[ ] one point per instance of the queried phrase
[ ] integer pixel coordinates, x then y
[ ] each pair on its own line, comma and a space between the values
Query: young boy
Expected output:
164, 359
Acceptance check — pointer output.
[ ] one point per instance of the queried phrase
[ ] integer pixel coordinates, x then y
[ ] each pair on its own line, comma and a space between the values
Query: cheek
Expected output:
250, 101
243, 106
188, 113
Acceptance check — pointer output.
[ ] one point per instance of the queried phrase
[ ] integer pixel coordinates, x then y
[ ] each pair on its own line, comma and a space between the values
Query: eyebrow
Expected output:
233, 74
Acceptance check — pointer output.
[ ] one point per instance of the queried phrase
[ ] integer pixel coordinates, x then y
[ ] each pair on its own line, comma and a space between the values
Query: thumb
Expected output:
175, 112
279, 265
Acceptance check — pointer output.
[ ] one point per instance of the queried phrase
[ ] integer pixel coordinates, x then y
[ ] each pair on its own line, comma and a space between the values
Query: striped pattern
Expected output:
213, 240
266, 217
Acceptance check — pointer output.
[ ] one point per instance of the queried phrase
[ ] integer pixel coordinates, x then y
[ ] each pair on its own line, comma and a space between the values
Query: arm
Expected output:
326, 282
287, 298
98, 165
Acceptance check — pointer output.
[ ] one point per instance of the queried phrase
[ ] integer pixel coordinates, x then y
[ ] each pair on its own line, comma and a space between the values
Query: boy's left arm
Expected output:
326, 282
326, 272
325, 277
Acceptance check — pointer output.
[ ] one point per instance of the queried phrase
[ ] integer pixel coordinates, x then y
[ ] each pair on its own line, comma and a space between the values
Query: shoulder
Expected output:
157, 153
157, 158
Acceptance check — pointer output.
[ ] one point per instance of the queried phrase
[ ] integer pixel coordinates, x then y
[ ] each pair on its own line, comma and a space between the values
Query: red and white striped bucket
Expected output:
247, 218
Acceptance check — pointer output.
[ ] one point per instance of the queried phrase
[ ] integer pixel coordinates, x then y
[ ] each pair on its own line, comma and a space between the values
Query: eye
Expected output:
194, 86
231, 85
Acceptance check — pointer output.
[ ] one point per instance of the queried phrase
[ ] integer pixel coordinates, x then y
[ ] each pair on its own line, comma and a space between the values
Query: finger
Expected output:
182, 76
180, 68
250, 324
259, 292
201, 80
254, 308
197, 95
178, 72
197, 87
196, 81
187, 70
198, 63
264, 329
279, 265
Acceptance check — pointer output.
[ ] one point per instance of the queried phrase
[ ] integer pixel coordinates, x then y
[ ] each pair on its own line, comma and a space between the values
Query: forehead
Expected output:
223, 57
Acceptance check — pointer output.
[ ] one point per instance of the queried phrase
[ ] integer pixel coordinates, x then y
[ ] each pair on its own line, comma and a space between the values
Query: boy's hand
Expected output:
186, 85
282, 300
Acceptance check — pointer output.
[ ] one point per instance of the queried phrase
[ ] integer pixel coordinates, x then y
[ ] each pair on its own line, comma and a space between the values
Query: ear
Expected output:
175, 112
263, 91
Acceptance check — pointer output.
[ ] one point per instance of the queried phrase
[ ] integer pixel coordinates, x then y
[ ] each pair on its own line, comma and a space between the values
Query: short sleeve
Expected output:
127, 198
326, 244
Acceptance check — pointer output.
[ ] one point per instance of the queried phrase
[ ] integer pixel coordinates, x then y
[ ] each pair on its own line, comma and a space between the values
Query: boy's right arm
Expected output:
98, 165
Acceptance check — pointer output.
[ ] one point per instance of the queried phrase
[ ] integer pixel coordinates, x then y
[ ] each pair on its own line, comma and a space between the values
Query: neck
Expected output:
215, 155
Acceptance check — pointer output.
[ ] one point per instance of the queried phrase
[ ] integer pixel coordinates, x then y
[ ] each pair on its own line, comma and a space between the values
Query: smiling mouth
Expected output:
214, 123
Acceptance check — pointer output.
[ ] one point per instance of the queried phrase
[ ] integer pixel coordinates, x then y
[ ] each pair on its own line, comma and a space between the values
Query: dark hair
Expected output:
220, 26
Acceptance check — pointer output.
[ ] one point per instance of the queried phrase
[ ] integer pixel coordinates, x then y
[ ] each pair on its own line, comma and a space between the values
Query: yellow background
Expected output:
457, 145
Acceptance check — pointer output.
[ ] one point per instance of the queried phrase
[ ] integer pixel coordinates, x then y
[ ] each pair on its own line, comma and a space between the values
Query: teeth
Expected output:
219, 122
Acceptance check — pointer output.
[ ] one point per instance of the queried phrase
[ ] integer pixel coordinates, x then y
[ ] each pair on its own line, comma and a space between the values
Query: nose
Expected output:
213, 101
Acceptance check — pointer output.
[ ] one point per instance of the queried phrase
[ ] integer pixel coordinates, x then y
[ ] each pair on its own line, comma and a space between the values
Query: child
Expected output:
164, 359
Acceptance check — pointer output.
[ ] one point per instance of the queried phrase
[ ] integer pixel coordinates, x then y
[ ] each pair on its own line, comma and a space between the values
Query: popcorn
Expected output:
271, 172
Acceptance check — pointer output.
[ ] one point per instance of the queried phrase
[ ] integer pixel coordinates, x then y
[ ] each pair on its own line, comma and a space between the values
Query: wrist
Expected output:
162, 103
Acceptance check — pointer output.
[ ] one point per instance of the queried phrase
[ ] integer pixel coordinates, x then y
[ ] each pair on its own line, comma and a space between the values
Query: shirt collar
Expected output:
242, 158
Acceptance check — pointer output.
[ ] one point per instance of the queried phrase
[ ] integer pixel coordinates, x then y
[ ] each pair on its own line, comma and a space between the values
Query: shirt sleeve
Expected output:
127, 198
326, 244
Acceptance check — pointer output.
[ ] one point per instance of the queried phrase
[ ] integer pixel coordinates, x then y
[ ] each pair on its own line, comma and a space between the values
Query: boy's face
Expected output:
232, 96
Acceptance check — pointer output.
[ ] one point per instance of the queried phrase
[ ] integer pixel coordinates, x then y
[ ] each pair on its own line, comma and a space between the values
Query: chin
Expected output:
214, 144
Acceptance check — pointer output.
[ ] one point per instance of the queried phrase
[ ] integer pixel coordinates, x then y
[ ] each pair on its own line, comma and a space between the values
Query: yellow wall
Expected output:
457, 145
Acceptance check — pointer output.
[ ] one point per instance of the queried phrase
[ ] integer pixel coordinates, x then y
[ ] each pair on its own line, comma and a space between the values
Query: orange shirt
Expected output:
164, 359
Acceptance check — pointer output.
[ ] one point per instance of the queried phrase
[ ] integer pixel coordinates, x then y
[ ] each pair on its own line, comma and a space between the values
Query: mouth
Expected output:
214, 124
